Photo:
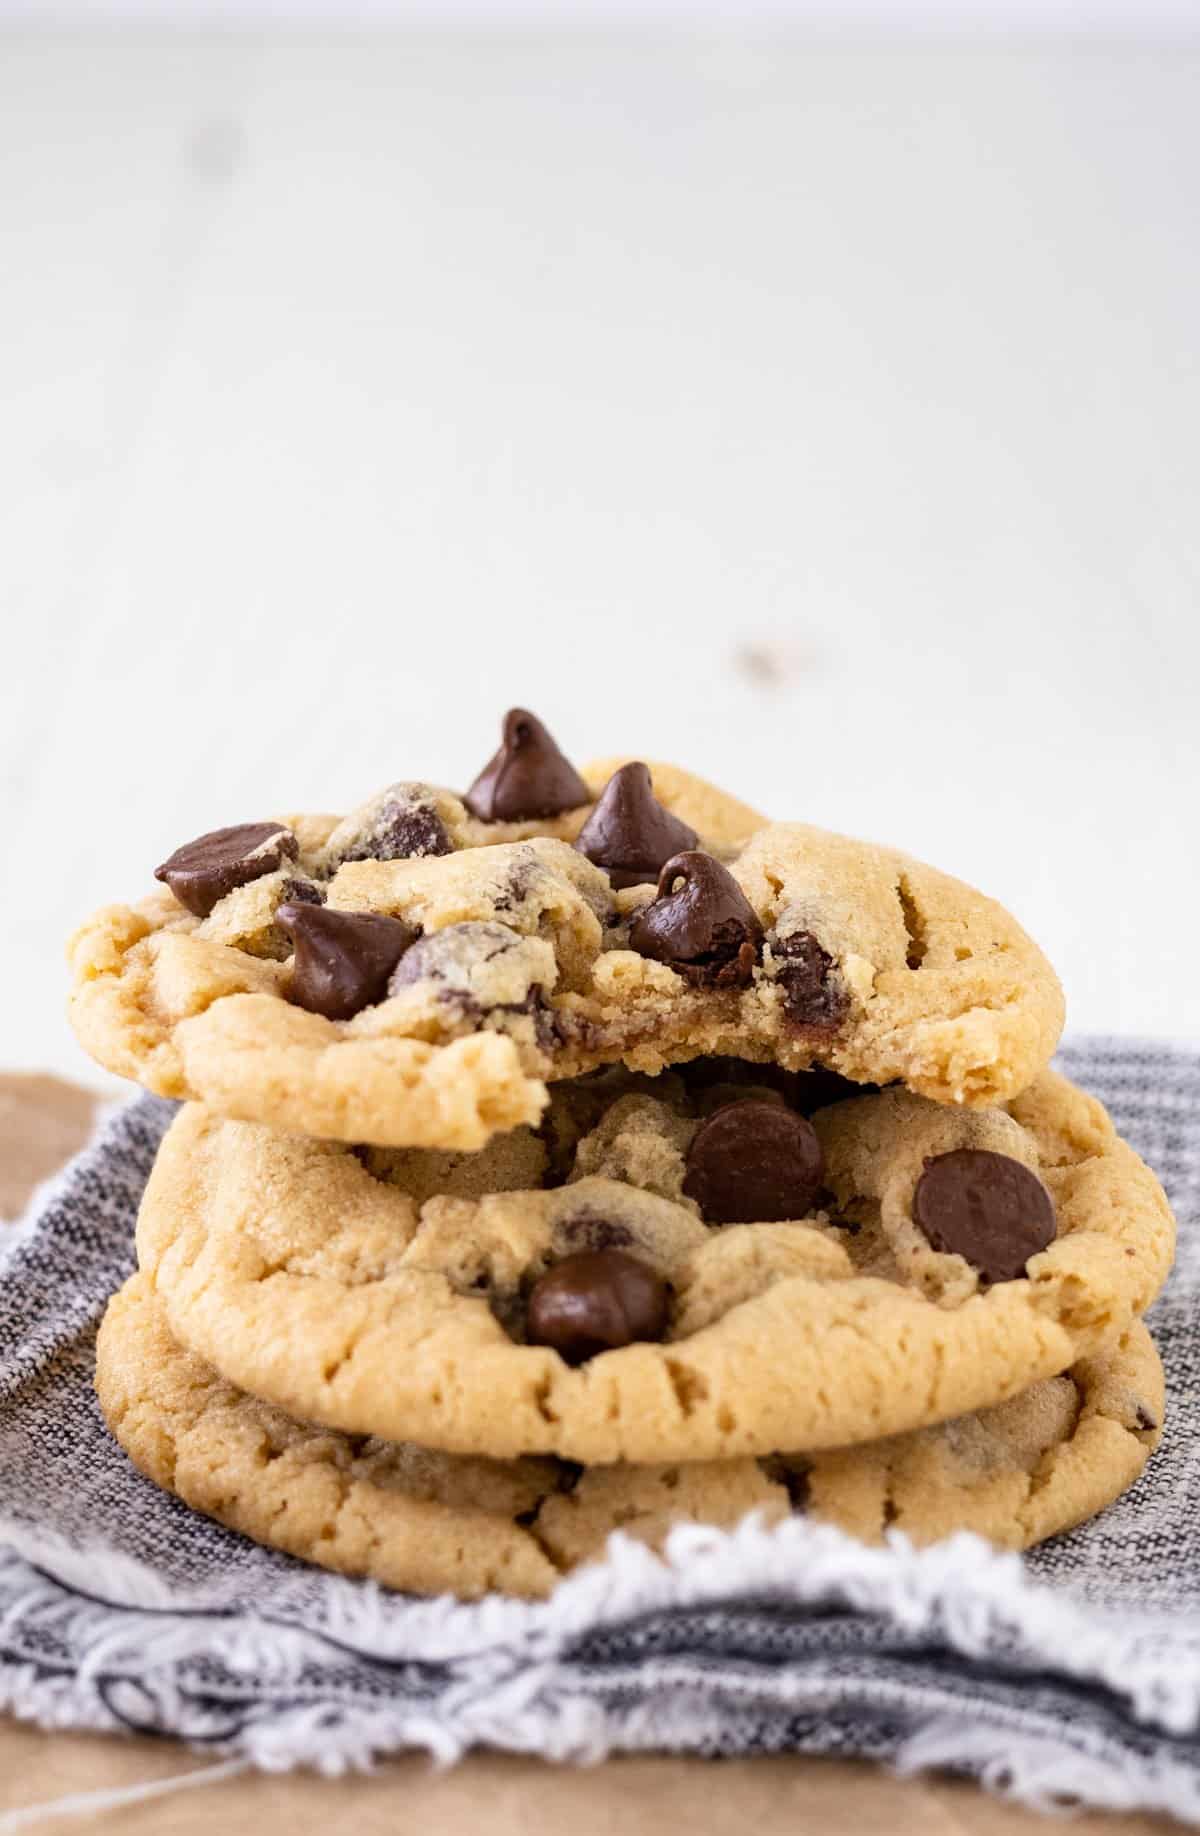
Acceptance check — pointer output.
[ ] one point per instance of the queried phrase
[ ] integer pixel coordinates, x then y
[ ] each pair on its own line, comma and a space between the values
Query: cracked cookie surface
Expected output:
431, 1523
524, 951
482, 1303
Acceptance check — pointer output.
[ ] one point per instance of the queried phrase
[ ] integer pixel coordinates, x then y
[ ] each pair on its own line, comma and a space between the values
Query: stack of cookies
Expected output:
584, 1152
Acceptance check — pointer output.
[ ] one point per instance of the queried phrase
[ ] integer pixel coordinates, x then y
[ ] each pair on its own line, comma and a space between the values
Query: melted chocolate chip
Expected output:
812, 998
754, 1163
455, 960
528, 873
404, 831
342, 959
985, 1207
546, 1031
588, 1230
203, 871
706, 929
596, 1301
454, 954
301, 892
550, 1028
629, 833
528, 777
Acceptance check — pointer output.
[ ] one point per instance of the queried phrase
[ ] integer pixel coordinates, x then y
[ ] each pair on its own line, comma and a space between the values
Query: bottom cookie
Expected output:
430, 1523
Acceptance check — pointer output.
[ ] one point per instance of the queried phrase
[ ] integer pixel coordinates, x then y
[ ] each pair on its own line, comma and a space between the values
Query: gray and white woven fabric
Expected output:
1072, 1673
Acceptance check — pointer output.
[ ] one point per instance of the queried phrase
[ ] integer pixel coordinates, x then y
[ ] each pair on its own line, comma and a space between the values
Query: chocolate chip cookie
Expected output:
720, 1261
432, 1522
416, 973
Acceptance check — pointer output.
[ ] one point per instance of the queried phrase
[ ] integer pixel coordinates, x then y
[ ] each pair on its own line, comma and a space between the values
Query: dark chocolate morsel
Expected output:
706, 929
985, 1207
811, 996
629, 833
342, 959
596, 1301
528, 777
203, 871
754, 1162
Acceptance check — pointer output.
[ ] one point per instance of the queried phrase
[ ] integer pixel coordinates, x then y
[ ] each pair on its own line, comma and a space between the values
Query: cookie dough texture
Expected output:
196, 1008
928, 982
432, 1523
383, 1296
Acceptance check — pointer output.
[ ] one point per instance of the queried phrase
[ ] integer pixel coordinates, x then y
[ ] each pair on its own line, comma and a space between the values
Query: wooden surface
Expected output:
41, 1120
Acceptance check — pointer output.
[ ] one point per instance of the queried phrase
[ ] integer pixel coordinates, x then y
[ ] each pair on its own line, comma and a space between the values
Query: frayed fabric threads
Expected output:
1072, 1676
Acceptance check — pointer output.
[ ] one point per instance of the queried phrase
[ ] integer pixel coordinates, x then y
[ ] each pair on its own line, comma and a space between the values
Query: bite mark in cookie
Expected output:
775, 943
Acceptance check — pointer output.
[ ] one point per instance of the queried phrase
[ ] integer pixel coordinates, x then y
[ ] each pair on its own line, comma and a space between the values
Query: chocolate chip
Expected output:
629, 833
754, 1163
528, 777
1146, 1421
203, 871
456, 961
527, 873
453, 955
342, 959
402, 831
596, 1301
805, 972
985, 1207
705, 929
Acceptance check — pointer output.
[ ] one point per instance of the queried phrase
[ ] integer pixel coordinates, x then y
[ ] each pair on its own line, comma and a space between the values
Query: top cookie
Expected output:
415, 973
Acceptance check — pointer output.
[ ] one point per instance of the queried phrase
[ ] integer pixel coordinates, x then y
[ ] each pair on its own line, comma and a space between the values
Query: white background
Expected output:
826, 416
